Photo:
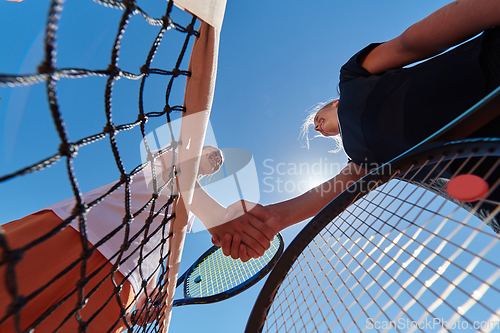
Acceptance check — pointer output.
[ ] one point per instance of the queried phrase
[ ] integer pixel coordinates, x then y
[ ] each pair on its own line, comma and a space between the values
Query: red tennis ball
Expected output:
467, 188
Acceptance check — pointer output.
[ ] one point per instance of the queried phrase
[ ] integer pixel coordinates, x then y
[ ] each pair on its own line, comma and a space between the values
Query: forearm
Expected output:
206, 208
307, 205
279, 216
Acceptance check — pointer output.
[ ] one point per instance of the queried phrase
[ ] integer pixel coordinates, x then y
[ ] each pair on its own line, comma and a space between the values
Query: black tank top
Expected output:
381, 116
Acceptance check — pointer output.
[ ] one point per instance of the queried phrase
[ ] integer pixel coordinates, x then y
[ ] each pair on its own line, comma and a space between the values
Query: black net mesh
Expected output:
17, 315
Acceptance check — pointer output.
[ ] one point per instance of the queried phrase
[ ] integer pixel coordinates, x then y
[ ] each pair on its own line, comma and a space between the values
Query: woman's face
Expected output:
210, 161
326, 120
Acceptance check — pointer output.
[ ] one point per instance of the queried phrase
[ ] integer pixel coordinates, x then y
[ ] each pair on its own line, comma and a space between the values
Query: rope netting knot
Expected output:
17, 305
113, 71
46, 68
68, 149
141, 239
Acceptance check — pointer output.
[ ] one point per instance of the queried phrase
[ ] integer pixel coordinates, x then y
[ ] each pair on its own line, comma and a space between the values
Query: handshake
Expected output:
247, 230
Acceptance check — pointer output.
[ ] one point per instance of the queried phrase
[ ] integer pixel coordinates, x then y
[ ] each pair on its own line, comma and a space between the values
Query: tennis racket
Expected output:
396, 252
215, 277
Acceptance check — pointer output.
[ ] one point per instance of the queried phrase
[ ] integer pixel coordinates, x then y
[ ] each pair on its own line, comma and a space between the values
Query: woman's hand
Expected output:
243, 233
146, 311
245, 213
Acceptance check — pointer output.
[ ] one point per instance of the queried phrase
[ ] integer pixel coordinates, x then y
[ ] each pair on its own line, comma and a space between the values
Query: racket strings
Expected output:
311, 269
342, 298
360, 264
445, 218
422, 265
218, 273
402, 255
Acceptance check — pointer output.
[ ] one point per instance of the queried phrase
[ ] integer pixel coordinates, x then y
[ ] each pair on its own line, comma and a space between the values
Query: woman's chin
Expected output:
327, 134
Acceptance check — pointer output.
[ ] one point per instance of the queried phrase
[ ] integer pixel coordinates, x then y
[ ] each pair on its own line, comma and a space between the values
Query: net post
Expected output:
198, 100
210, 11
178, 228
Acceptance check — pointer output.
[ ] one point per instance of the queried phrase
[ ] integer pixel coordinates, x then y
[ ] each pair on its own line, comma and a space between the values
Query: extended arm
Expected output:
286, 213
444, 28
298, 209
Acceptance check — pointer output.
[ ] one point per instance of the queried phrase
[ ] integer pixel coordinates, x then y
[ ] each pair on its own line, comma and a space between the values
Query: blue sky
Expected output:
277, 59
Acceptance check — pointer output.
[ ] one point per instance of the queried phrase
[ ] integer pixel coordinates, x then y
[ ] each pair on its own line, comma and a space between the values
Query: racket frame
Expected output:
183, 279
428, 155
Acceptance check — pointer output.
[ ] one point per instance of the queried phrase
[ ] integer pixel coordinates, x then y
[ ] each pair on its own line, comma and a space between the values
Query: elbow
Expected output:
413, 45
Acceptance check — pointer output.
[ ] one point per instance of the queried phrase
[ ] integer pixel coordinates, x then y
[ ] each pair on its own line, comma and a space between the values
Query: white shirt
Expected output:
106, 216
